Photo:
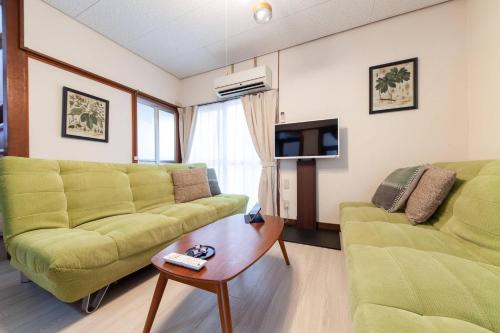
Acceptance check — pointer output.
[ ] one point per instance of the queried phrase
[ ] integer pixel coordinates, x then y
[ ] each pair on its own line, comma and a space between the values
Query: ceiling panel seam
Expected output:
90, 6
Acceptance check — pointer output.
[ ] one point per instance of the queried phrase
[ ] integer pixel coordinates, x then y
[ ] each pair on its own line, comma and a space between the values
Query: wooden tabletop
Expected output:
237, 246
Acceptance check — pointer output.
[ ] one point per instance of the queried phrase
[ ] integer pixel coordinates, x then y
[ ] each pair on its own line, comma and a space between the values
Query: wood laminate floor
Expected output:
308, 296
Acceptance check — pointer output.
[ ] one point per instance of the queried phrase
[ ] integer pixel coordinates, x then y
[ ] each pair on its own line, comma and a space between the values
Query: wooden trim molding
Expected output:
76, 70
156, 100
15, 109
134, 127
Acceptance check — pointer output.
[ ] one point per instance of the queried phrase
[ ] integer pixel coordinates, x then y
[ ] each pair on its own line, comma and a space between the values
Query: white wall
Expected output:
483, 49
51, 32
329, 77
45, 114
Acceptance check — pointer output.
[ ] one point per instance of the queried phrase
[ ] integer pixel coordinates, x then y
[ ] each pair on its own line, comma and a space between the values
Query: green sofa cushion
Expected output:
378, 318
32, 194
476, 213
466, 171
59, 249
426, 283
383, 234
151, 186
191, 215
135, 233
241, 200
70, 285
225, 204
367, 213
96, 190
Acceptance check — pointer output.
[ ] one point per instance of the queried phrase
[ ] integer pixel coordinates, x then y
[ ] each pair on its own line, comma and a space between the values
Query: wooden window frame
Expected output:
159, 107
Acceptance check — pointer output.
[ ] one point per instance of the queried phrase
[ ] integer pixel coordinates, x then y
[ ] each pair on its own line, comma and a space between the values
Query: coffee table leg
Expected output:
224, 308
283, 250
155, 302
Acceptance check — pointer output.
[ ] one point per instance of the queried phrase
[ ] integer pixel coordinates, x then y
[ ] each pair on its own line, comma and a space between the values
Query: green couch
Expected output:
75, 227
442, 276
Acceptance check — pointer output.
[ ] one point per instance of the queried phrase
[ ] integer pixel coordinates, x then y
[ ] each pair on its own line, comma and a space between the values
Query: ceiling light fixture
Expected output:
262, 12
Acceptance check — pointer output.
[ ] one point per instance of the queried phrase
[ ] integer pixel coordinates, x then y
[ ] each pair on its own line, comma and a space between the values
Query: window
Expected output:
222, 140
156, 133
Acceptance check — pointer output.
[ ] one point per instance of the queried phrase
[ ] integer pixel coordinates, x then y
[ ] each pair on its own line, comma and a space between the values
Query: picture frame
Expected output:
393, 86
84, 116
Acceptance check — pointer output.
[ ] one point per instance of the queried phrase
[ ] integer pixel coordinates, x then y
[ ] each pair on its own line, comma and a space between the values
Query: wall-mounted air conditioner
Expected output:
244, 82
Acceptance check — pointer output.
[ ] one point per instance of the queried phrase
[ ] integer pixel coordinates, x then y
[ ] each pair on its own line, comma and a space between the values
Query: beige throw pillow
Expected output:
190, 184
430, 192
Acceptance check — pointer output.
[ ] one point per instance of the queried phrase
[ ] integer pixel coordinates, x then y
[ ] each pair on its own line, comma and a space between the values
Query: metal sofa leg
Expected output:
24, 278
91, 302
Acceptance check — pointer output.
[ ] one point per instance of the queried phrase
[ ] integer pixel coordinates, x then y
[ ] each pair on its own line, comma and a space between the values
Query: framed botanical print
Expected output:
84, 116
394, 86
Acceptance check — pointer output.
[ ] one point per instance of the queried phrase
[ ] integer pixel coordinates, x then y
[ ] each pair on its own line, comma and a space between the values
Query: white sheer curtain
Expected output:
260, 111
187, 119
221, 139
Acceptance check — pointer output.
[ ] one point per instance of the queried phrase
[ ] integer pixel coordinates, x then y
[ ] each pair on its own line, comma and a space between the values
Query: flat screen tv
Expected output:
309, 139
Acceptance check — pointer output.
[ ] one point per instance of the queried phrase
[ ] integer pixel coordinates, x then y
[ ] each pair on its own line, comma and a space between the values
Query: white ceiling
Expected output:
187, 37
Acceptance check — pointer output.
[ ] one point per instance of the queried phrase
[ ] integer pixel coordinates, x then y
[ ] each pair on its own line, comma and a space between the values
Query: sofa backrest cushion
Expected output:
96, 190
151, 186
476, 212
465, 171
32, 195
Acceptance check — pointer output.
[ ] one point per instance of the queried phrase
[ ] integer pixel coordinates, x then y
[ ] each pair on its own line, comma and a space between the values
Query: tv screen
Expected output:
310, 139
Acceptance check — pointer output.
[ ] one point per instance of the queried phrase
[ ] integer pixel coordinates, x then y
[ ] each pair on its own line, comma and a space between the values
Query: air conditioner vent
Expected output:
245, 82
240, 89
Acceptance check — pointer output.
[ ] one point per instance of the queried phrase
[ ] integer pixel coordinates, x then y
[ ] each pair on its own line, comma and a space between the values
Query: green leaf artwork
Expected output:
86, 117
75, 111
391, 80
393, 86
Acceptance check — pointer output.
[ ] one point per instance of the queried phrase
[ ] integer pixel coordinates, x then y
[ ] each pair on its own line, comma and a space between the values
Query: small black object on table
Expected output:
200, 251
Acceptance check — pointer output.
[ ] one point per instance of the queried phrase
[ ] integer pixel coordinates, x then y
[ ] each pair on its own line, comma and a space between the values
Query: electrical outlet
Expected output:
286, 184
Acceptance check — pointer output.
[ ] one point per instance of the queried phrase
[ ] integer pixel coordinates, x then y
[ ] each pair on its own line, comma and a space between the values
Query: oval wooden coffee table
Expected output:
237, 244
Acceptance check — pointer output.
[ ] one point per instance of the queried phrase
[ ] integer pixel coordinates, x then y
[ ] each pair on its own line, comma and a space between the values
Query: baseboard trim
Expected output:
320, 225
328, 226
